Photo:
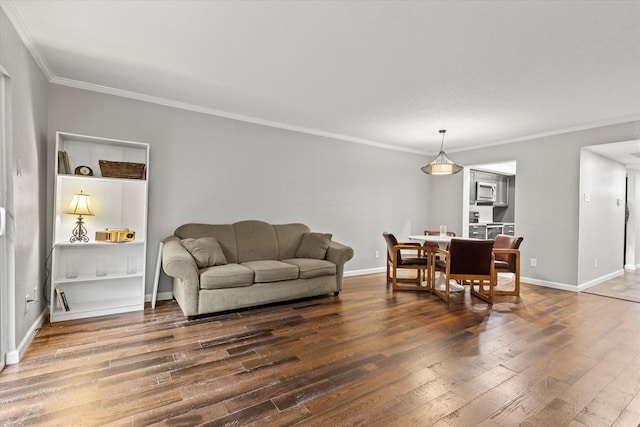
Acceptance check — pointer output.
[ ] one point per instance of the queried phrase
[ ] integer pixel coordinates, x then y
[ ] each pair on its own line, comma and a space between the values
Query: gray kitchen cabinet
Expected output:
477, 231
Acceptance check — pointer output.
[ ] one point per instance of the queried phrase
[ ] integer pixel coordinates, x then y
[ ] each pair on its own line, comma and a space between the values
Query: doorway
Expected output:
485, 218
7, 292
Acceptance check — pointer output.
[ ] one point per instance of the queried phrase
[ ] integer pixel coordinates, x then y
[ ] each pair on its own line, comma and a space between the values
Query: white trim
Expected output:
364, 272
15, 356
548, 284
162, 296
219, 113
554, 132
632, 267
601, 279
15, 18
18, 23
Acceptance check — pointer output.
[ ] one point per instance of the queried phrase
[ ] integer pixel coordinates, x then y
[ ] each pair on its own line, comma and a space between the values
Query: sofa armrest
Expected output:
338, 253
177, 261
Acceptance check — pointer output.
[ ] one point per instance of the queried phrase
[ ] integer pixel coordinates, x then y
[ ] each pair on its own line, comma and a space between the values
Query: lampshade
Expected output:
441, 165
79, 205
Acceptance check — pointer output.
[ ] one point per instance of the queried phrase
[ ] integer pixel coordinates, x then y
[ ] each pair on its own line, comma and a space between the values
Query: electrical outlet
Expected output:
26, 304
534, 262
377, 254
595, 263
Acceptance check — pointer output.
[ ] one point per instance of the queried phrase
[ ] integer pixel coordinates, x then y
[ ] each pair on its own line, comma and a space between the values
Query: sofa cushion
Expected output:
256, 241
206, 251
310, 267
225, 276
314, 245
271, 271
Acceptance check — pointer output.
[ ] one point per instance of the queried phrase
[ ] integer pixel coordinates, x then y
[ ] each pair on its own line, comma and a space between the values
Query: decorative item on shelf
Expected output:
79, 206
63, 163
84, 171
122, 169
115, 235
441, 165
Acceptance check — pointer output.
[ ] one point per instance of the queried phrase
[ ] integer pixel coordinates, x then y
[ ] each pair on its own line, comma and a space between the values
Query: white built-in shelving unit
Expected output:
110, 276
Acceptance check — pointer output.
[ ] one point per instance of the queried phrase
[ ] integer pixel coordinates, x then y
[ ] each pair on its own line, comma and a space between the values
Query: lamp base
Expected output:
79, 233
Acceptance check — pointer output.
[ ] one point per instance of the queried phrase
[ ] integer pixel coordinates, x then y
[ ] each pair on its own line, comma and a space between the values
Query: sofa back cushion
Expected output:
256, 240
251, 240
223, 233
289, 238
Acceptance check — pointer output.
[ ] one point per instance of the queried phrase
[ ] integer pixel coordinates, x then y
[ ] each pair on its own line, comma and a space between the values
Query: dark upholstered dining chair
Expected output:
470, 261
436, 233
506, 250
395, 260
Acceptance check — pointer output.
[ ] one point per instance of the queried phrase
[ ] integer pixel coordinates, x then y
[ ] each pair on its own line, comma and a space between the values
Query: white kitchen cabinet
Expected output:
98, 278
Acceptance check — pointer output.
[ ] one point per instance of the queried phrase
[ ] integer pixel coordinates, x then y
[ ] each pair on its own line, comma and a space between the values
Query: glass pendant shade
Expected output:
441, 165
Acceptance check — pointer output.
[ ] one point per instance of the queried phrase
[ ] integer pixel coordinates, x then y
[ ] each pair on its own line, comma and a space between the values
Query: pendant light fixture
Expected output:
441, 165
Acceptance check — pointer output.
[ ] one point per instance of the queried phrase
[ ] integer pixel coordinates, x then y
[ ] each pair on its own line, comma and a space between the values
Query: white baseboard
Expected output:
13, 357
162, 296
364, 272
601, 279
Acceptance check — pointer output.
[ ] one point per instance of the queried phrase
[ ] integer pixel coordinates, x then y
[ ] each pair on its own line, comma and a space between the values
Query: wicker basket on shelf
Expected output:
122, 169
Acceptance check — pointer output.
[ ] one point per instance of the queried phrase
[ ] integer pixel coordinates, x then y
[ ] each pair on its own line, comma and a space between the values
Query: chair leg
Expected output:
482, 292
516, 287
388, 273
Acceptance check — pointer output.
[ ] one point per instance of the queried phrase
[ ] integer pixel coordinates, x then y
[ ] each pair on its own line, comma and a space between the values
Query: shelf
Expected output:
100, 178
93, 278
98, 244
98, 308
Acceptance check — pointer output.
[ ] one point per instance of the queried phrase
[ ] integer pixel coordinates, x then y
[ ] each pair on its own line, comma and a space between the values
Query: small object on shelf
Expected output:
79, 206
63, 163
115, 235
62, 300
84, 171
128, 170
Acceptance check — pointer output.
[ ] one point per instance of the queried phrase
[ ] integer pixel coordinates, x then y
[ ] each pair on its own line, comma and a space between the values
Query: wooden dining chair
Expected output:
436, 233
419, 261
506, 250
470, 261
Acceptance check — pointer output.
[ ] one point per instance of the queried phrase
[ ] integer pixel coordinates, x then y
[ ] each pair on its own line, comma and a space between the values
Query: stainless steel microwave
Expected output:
485, 192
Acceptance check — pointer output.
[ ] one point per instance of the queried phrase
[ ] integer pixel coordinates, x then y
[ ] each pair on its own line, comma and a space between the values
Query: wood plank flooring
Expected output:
369, 357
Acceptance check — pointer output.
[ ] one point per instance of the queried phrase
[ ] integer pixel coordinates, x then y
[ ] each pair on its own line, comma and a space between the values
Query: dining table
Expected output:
442, 242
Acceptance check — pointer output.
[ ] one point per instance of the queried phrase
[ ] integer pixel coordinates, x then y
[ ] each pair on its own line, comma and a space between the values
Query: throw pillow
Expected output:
313, 245
206, 251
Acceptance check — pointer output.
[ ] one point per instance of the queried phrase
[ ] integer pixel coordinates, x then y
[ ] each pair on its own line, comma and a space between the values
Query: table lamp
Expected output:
79, 206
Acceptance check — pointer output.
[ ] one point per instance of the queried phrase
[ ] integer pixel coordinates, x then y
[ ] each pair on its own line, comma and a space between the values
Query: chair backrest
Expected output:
437, 233
507, 242
471, 256
391, 242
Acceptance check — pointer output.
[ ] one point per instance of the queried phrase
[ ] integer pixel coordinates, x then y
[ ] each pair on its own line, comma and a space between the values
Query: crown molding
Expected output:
219, 113
14, 16
17, 22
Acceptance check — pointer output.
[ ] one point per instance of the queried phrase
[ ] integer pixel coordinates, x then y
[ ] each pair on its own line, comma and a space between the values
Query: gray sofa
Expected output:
220, 267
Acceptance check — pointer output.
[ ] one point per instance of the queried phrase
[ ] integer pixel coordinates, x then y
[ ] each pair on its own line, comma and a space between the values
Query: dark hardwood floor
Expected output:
369, 357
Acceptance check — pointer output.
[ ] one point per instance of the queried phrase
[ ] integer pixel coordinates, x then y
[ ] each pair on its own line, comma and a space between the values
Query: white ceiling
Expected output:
385, 73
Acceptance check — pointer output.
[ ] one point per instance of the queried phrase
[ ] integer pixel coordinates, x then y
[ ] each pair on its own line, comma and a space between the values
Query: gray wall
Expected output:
633, 228
27, 208
547, 197
601, 232
216, 170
